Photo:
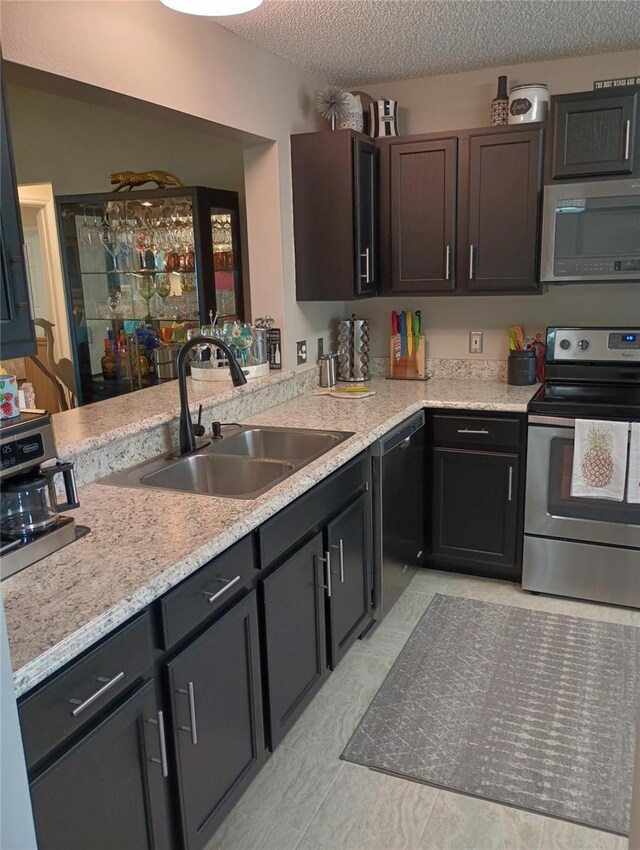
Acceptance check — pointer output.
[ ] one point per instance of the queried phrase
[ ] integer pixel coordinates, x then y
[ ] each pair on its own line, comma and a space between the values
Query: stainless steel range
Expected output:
588, 548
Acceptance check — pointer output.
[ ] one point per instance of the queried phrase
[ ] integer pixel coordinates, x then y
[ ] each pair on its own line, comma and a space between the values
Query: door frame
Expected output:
39, 196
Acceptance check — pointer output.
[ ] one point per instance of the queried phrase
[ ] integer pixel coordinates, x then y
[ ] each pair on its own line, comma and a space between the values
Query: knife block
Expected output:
408, 368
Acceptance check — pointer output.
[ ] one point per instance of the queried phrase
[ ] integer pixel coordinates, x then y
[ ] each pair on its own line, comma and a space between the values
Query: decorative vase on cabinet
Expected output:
500, 105
159, 260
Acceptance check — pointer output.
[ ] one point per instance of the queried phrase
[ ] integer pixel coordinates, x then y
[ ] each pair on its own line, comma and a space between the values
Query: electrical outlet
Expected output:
475, 342
301, 351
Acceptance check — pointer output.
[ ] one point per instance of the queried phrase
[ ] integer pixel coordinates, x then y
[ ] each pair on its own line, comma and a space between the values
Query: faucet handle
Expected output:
199, 429
216, 430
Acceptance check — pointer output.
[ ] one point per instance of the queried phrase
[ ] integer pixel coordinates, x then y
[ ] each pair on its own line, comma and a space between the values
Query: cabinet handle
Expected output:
163, 744
472, 431
510, 495
327, 571
192, 712
472, 252
627, 138
447, 263
228, 584
366, 274
108, 683
340, 547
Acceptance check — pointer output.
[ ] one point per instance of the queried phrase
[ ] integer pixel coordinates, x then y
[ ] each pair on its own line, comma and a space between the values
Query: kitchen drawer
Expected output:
191, 603
308, 513
63, 705
476, 432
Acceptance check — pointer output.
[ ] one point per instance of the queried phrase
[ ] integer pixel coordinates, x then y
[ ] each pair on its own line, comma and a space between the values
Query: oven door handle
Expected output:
558, 421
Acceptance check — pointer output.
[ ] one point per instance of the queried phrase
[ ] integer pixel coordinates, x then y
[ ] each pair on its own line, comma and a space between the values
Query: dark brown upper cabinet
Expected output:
335, 188
499, 216
595, 133
423, 215
460, 214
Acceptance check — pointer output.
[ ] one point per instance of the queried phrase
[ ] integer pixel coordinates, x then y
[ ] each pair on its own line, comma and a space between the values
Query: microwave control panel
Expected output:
597, 266
595, 344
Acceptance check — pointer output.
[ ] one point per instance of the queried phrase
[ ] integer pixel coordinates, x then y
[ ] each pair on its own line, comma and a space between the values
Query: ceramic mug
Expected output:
9, 407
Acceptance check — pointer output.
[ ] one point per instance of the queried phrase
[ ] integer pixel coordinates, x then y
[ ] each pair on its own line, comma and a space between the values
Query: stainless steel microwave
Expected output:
591, 232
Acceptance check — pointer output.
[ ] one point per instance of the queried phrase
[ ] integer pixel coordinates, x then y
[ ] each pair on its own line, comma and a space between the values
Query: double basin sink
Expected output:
244, 463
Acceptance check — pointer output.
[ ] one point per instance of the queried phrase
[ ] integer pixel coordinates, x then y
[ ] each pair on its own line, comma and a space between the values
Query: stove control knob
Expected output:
565, 344
583, 344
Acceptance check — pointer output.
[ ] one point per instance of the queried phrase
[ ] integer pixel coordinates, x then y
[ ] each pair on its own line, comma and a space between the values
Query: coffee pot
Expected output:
29, 503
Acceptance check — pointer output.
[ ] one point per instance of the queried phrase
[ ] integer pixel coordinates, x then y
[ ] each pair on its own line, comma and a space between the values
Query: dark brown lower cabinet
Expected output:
295, 643
216, 705
349, 601
475, 508
109, 790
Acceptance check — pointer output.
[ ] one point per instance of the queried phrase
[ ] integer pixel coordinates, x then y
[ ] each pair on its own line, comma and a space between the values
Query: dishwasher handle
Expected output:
400, 436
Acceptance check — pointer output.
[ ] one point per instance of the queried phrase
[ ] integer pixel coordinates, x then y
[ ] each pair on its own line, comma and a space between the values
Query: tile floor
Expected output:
305, 798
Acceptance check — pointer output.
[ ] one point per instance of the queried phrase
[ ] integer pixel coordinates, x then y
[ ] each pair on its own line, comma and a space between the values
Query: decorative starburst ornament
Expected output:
333, 103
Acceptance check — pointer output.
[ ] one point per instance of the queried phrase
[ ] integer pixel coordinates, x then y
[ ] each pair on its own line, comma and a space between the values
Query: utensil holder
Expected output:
411, 367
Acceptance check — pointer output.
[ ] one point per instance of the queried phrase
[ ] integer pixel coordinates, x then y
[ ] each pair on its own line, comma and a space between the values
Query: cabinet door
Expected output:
17, 332
474, 508
216, 704
366, 205
349, 567
594, 136
294, 621
423, 212
502, 210
109, 790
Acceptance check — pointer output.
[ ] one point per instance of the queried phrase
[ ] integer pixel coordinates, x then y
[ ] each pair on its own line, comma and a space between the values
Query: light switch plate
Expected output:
475, 342
301, 351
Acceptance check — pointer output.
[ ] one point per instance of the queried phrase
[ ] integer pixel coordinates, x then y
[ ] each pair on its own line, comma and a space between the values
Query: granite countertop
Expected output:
143, 542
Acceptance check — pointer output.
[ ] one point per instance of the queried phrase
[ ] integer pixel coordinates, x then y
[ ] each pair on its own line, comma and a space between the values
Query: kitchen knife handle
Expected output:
447, 263
627, 138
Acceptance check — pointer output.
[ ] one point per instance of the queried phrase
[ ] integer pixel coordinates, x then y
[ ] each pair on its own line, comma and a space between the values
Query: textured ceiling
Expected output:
366, 41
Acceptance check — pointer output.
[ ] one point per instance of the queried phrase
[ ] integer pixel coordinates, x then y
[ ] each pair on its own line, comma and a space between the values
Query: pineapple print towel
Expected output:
633, 488
600, 459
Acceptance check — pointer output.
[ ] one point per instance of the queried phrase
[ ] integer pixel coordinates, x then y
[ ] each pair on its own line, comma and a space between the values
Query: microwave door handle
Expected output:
627, 138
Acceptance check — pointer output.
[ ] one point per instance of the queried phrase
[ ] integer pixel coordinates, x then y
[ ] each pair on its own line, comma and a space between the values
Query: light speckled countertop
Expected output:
143, 542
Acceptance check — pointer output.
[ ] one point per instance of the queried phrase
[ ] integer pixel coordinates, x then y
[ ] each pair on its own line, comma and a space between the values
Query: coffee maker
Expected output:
31, 523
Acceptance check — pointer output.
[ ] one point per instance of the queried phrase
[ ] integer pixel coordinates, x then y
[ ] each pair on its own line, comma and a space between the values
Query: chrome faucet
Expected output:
187, 436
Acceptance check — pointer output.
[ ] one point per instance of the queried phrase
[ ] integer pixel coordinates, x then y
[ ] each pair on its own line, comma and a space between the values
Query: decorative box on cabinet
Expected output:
595, 134
334, 215
460, 212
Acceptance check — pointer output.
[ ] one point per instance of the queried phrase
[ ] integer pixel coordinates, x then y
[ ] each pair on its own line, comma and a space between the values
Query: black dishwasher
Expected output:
398, 477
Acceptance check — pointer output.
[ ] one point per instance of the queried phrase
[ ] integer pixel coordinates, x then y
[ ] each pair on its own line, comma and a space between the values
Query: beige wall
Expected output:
192, 65
458, 101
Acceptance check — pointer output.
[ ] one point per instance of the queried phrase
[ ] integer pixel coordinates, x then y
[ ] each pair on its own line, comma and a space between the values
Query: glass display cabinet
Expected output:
142, 269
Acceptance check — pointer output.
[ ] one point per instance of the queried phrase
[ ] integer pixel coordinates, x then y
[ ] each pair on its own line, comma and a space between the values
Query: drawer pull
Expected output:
510, 496
327, 568
193, 729
447, 263
472, 431
82, 704
228, 584
366, 275
472, 251
163, 744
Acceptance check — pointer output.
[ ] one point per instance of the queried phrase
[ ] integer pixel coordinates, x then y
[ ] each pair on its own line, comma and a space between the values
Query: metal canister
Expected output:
258, 349
328, 369
353, 350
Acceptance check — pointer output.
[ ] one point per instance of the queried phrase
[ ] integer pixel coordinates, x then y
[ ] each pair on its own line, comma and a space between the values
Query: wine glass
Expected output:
163, 289
146, 288
110, 243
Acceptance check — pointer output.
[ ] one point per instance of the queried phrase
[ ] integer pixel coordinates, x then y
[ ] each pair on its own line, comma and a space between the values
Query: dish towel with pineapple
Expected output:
600, 459
633, 487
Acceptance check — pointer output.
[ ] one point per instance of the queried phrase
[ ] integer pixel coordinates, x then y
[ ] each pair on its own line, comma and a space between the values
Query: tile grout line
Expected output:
306, 829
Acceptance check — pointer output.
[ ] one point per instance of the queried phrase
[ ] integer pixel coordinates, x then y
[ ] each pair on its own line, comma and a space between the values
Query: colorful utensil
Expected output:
403, 334
409, 320
416, 328
395, 333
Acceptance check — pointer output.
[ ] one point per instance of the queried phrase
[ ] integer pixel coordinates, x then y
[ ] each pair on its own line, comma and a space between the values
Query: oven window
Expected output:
561, 503
603, 227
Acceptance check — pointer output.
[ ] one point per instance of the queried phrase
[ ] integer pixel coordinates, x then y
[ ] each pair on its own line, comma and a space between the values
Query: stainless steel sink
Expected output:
289, 444
242, 465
